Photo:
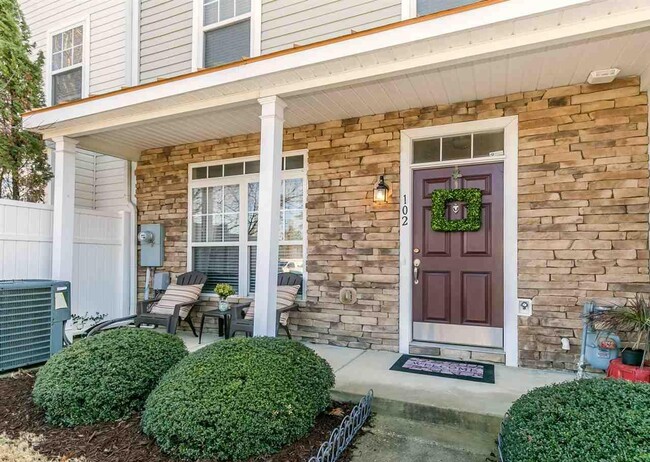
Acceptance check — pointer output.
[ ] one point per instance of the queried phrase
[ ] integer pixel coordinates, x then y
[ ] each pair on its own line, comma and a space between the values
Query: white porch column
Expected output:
63, 219
268, 233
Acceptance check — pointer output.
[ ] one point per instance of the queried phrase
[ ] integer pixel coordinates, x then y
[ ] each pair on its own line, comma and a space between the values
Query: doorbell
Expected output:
525, 307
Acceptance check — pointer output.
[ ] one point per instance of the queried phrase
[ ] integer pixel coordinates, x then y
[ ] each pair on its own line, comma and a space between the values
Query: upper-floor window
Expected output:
67, 65
423, 7
225, 28
66, 62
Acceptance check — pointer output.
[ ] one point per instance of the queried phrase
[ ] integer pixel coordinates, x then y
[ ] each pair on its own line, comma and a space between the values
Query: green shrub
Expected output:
104, 377
238, 398
589, 421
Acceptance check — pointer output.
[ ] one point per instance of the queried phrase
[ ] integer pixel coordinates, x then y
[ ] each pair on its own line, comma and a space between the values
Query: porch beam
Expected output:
111, 148
65, 151
268, 234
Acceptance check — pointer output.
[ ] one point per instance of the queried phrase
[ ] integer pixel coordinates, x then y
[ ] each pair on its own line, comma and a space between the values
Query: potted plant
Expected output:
80, 321
633, 317
224, 291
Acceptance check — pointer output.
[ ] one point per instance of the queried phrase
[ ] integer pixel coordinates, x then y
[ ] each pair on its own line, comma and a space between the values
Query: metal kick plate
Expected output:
491, 337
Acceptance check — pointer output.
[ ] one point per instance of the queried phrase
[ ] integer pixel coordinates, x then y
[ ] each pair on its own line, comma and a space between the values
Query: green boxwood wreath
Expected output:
473, 199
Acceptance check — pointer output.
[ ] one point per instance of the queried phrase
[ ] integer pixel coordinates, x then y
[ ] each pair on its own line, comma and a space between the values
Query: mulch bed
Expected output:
123, 441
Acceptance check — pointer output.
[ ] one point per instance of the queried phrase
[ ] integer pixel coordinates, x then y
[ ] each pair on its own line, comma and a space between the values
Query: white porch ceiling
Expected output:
445, 61
550, 67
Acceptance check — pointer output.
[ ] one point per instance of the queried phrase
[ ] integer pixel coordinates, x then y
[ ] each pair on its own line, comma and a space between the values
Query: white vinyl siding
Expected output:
288, 22
111, 186
108, 54
165, 38
107, 35
84, 179
100, 181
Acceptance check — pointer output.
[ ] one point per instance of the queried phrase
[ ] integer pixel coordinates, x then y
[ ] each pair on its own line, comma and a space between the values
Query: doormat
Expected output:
462, 370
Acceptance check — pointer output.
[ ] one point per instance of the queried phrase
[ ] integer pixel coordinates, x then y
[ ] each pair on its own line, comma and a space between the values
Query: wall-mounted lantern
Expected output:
381, 191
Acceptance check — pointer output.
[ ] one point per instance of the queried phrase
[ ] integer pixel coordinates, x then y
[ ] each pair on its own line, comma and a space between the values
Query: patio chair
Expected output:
168, 310
241, 320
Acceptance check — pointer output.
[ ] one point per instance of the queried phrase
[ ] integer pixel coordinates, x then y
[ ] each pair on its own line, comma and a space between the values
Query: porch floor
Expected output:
357, 371
192, 342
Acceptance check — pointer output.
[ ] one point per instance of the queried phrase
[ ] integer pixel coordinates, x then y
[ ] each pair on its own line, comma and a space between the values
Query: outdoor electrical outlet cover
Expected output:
525, 307
348, 295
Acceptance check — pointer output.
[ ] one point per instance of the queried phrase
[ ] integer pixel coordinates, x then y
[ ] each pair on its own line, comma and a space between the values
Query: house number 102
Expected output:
405, 213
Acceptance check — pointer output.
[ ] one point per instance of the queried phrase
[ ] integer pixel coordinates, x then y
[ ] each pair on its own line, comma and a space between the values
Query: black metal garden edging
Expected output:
500, 440
342, 436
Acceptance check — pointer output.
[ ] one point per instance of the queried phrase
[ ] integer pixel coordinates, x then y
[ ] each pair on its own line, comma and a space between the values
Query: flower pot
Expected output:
617, 370
632, 357
223, 305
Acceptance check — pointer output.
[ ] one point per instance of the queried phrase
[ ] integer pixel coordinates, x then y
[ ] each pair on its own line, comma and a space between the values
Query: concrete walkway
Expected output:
449, 400
390, 439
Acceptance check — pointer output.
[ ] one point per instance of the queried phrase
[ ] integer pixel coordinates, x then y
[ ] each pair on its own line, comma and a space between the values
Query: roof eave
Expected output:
472, 16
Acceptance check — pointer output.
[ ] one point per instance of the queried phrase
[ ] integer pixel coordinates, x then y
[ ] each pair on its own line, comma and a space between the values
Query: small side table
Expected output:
223, 317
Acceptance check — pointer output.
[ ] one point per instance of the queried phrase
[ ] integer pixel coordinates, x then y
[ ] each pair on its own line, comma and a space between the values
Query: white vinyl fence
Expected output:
101, 280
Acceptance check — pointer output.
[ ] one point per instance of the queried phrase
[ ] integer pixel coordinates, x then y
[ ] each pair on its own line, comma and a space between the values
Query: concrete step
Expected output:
461, 403
428, 413
388, 439
465, 353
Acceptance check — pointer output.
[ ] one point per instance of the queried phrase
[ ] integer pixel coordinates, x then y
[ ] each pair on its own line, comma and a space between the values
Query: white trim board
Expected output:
132, 49
256, 28
511, 146
408, 9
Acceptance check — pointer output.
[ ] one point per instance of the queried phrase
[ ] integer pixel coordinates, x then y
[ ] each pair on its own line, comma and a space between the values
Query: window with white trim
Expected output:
423, 7
223, 220
225, 31
66, 65
459, 147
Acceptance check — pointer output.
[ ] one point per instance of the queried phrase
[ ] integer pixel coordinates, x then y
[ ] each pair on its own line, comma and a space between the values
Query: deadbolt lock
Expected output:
416, 250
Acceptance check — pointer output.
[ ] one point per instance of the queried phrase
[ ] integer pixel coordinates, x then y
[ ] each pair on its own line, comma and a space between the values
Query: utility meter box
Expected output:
602, 347
152, 245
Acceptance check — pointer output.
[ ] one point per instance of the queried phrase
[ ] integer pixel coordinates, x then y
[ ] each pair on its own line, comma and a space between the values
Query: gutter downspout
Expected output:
133, 267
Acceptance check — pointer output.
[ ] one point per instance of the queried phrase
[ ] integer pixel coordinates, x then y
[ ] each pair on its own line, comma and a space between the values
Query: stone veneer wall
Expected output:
583, 211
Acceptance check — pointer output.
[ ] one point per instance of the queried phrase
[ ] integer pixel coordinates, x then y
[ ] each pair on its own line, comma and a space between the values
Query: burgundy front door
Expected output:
458, 276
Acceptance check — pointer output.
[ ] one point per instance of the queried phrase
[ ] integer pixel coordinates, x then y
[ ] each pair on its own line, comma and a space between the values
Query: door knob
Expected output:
416, 268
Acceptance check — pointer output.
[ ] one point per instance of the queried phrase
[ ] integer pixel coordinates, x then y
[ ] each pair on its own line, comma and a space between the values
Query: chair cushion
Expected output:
286, 297
174, 295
